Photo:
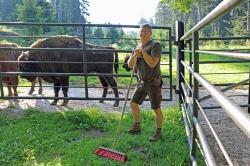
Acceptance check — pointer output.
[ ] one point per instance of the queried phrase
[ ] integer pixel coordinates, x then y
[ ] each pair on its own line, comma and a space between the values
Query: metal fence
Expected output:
188, 87
167, 53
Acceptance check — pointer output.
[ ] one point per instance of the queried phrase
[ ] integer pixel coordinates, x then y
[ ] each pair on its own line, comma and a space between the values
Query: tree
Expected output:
28, 11
112, 33
143, 20
239, 21
7, 9
35, 11
164, 15
98, 33
181, 5
76, 12
47, 14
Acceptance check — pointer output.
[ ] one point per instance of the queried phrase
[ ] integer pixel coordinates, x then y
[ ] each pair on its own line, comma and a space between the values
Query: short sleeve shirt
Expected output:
145, 72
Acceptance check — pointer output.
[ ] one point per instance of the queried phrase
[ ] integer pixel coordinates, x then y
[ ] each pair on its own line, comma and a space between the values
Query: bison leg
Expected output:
15, 90
32, 88
40, 86
56, 90
9, 89
105, 88
112, 83
14, 86
65, 88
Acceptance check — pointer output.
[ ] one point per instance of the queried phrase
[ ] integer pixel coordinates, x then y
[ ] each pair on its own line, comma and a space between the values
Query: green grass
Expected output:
223, 68
217, 68
70, 138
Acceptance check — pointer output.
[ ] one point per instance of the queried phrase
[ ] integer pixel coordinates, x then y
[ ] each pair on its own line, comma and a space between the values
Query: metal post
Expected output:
248, 106
195, 40
190, 64
170, 63
1, 85
85, 62
179, 57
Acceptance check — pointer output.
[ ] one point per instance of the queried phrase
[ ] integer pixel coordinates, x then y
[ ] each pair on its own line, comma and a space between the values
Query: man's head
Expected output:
145, 32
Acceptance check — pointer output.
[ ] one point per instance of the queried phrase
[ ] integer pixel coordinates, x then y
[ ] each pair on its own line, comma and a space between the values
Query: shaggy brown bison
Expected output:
9, 55
12, 81
70, 56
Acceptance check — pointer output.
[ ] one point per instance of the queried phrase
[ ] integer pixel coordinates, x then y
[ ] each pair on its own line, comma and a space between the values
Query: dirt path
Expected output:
235, 142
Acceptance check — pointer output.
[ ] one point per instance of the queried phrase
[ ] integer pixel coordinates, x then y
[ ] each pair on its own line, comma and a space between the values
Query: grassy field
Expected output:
70, 138
218, 68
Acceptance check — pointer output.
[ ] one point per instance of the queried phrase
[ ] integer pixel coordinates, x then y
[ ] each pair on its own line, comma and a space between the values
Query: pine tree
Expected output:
7, 9
28, 11
98, 33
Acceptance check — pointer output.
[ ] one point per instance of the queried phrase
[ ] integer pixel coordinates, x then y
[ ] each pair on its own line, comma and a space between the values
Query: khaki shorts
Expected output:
150, 88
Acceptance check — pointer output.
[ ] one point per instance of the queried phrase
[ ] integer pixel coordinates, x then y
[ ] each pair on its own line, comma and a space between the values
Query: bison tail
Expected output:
116, 64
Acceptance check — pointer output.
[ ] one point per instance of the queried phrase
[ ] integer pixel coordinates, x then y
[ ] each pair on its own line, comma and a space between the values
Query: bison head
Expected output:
26, 67
125, 64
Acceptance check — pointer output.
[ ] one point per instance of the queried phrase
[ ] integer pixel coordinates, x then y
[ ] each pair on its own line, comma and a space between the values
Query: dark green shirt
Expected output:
144, 72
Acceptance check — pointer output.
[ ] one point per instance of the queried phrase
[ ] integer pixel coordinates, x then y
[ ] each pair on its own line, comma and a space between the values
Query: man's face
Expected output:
145, 34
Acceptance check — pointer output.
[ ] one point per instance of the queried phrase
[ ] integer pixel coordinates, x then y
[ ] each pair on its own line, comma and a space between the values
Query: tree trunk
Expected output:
248, 21
60, 12
199, 10
195, 18
248, 15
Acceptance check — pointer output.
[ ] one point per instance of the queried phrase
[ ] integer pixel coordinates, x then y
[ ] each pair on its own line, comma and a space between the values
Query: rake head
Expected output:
111, 154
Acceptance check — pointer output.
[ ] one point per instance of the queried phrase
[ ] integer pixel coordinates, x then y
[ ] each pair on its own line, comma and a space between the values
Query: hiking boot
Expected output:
156, 136
135, 129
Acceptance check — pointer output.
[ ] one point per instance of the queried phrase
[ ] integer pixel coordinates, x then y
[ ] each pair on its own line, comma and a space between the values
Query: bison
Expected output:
12, 81
9, 55
125, 64
70, 56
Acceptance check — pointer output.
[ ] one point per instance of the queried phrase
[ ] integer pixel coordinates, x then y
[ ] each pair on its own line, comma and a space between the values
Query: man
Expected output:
146, 57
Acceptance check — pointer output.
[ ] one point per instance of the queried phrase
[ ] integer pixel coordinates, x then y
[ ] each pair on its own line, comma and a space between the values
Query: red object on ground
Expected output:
111, 154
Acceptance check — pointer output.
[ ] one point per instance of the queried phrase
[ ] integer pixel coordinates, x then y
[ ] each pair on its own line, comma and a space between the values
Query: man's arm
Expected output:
132, 59
152, 61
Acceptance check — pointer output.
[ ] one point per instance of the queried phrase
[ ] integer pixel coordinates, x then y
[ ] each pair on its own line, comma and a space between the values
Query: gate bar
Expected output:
228, 54
238, 115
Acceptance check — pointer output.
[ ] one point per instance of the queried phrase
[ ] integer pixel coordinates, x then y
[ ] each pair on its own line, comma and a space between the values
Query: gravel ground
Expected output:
15, 107
236, 143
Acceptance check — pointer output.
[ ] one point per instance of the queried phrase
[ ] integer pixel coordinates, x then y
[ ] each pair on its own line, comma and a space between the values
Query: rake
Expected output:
110, 153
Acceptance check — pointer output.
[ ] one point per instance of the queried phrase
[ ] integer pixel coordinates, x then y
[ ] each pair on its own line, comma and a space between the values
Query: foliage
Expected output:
7, 9
239, 21
233, 23
73, 13
33, 11
98, 33
182, 5
47, 14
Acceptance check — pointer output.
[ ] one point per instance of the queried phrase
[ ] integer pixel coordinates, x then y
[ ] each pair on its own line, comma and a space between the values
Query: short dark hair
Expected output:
146, 25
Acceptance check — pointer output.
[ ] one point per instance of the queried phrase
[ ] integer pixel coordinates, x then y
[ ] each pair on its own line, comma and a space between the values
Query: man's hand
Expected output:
138, 52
